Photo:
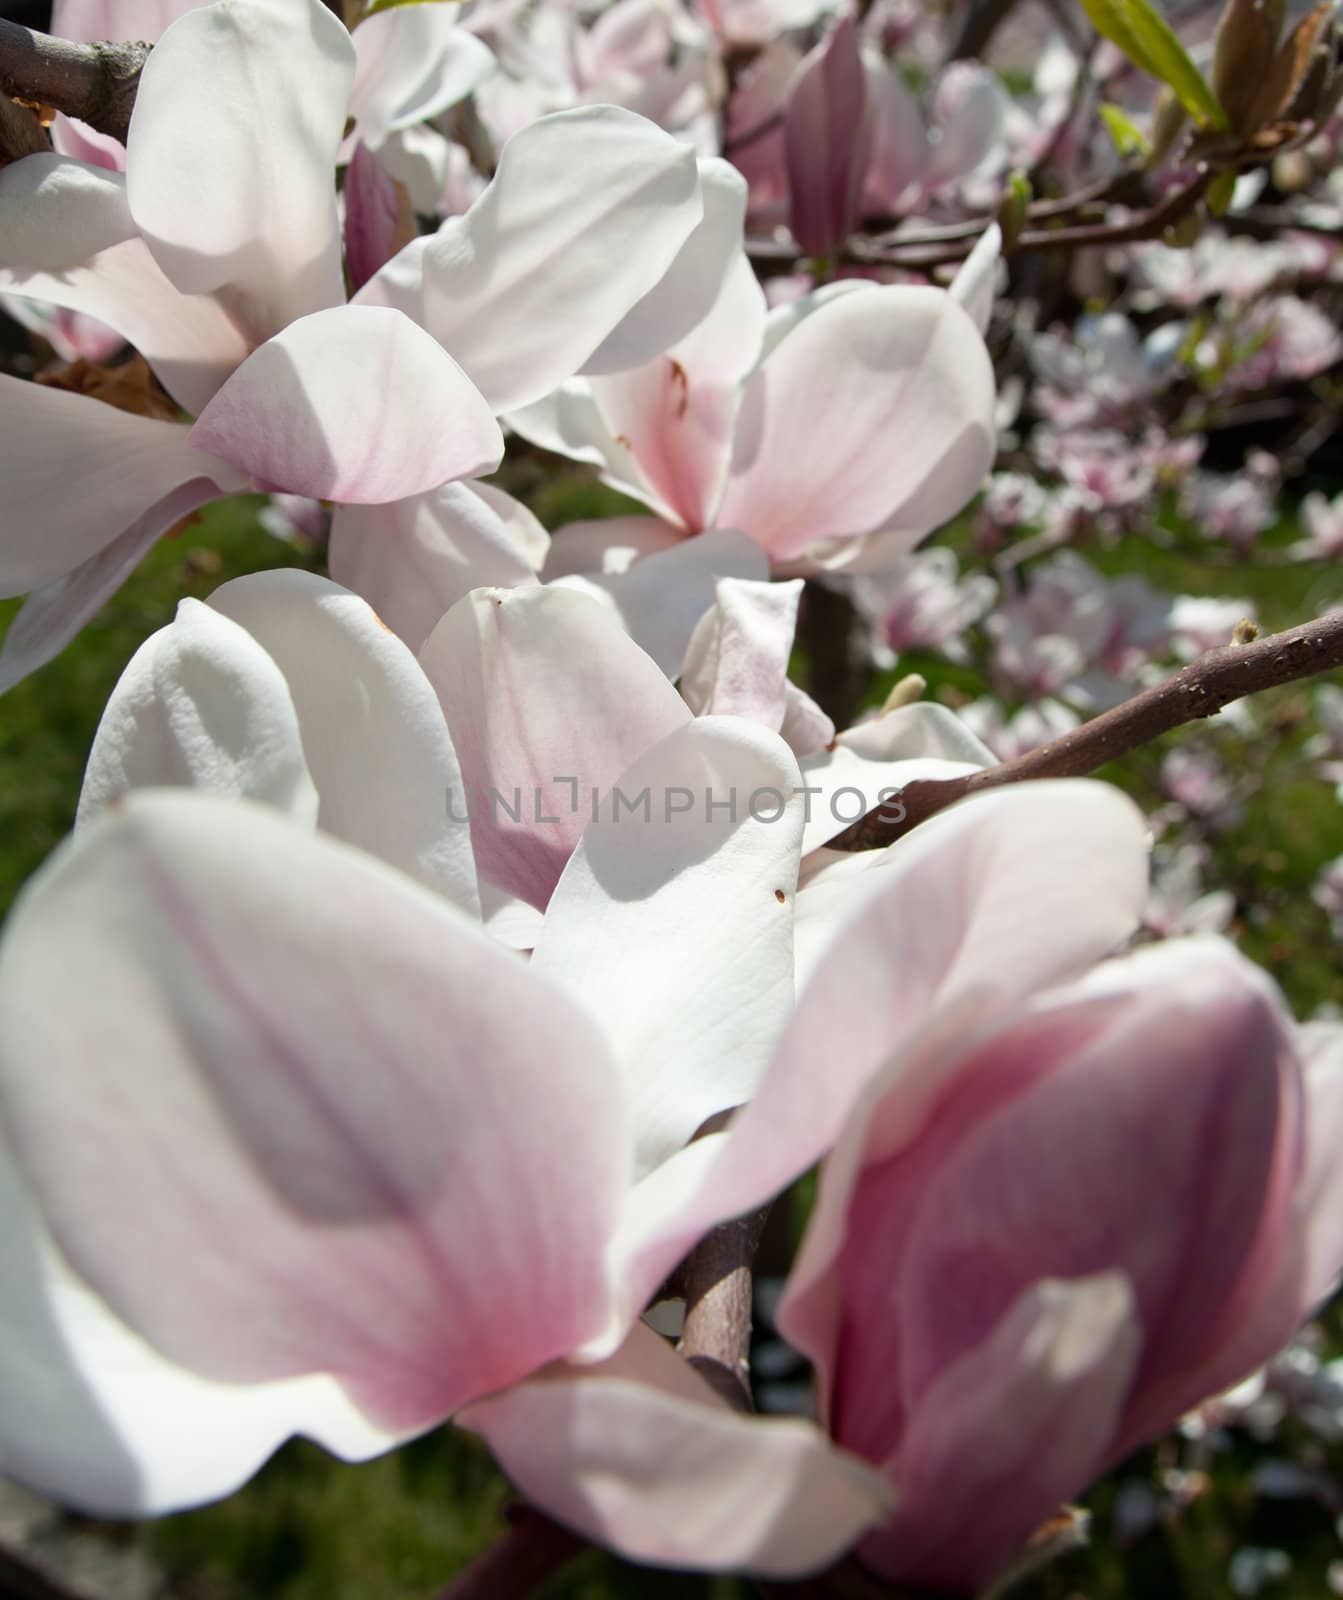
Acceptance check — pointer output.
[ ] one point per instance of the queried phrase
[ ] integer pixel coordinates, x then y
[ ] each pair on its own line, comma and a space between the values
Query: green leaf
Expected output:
1129, 139
1146, 38
1220, 193
386, 5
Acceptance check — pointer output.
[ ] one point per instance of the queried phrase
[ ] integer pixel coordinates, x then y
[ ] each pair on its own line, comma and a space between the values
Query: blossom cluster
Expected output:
336, 1101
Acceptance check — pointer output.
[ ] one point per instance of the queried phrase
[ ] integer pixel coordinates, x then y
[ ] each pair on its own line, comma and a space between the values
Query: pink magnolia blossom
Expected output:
1042, 1237
1011, 736
660, 991
1323, 522
835, 432
238, 306
412, 62
1326, 747
1178, 903
1236, 508
827, 134
921, 603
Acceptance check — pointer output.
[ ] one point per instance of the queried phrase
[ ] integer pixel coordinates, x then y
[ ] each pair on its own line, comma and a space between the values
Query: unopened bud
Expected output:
1013, 207
904, 693
1246, 631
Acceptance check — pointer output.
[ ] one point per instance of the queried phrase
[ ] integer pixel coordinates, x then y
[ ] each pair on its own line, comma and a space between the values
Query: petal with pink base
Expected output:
587, 211
1007, 1433
877, 406
97, 1420
266, 1139
548, 700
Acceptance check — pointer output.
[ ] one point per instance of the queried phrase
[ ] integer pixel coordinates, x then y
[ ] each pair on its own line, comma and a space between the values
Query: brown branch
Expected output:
95, 82
828, 634
946, 246
528, 1552
1200, 689
716, 1281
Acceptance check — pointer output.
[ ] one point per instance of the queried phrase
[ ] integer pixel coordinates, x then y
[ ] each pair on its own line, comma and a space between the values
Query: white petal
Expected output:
373, 733
230, 169
203, 706
672, 923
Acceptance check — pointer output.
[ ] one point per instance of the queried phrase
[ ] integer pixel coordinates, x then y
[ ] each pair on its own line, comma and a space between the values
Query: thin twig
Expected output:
528, 1552
1198, 690
95, 82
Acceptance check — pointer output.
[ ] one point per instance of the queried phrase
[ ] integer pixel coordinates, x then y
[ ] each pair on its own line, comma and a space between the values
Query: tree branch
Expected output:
1198, 690
716, 1278
530, 1550
95, 82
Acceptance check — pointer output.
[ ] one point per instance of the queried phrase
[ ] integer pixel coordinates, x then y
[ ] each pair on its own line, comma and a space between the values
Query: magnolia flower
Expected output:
835, 432
1323, 522
921, 603
1026, 730
232, 291
412, 62
1043, 1236
372, 1231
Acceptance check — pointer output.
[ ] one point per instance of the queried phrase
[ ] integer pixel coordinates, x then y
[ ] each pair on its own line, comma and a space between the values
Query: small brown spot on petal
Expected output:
780, 896
681, 383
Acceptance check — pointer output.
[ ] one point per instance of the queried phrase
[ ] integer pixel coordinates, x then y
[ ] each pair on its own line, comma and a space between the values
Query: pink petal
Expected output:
231, 173
672, 923
1007, 1433
91, 20
877, 408
354, 404
1321, 1046
675, 416
373, 216
414, 559
827, 136
58, 212
638, 1454
1002, 895
97, 1420
976, 278
548, 699
264, 1136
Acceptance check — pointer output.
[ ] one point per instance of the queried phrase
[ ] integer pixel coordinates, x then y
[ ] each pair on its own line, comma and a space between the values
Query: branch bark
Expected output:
530, 1550
95, 82
1198, 690
716, 1337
